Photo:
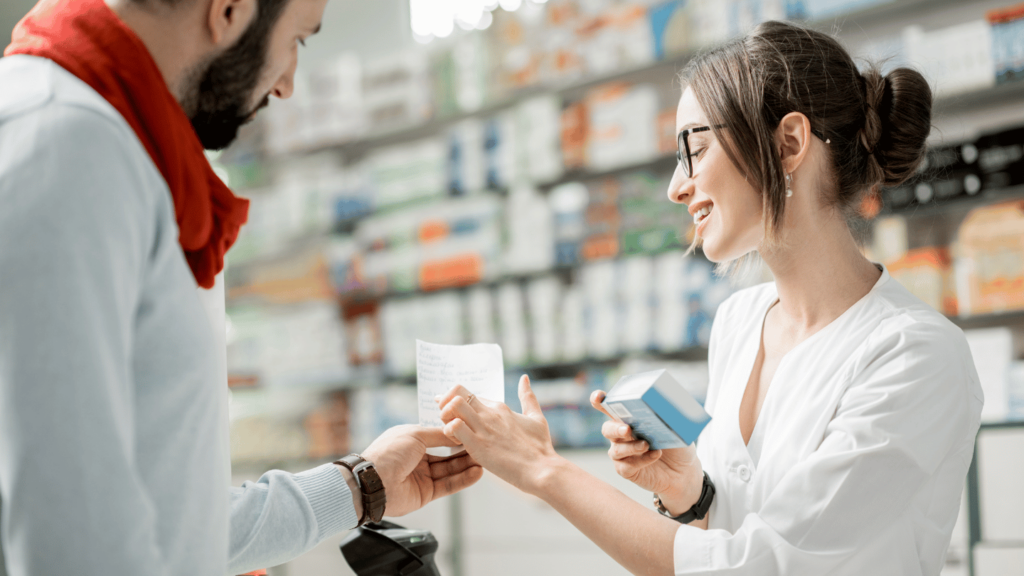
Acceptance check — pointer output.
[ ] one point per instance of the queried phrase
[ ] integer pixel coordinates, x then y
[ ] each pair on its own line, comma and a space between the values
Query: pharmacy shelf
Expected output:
663, 69
961, 204
1009, 318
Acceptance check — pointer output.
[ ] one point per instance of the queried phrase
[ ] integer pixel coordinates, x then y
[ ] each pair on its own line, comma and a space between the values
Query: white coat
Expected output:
858, 458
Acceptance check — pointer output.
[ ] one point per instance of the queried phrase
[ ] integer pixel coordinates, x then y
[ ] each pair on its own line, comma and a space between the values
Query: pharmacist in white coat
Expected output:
844, 410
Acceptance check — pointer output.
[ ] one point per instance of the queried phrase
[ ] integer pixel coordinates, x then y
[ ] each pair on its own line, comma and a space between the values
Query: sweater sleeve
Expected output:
74, 231
282, 516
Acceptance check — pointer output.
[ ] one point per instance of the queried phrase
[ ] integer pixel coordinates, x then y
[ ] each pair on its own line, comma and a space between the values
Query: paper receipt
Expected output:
439, 367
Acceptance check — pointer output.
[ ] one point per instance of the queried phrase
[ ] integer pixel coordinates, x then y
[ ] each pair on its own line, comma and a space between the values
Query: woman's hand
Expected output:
515, 447
675, 475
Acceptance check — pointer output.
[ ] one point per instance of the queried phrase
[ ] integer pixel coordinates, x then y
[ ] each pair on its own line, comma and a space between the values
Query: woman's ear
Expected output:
793, 137
228, 20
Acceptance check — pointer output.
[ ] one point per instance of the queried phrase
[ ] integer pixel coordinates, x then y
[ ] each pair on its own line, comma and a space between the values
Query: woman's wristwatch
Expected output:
370, 485
696, 512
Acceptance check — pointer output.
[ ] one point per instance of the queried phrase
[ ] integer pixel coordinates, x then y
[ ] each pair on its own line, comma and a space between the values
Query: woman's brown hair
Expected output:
876, 125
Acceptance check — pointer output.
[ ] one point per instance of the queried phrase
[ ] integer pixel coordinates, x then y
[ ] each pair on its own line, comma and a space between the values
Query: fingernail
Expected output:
623, 430
437, 399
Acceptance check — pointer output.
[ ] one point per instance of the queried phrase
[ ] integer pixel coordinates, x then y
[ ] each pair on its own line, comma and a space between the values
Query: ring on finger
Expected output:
470, 398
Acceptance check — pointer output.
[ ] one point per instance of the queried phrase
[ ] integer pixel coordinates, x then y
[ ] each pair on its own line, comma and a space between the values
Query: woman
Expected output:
844, 409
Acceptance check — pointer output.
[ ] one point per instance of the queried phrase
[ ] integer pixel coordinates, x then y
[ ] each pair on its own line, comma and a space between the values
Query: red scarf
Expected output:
88, 40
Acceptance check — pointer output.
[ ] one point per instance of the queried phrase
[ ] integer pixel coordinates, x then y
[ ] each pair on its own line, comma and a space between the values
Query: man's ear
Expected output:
229, 19
793, 137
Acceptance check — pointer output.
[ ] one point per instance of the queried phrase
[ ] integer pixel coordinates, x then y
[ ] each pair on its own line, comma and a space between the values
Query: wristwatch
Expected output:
696, 512
370, 485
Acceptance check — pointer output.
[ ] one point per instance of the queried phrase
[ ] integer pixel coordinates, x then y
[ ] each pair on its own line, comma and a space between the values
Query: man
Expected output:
113, 419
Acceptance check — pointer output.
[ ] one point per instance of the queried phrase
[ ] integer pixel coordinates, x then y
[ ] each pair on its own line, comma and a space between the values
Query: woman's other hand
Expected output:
675, 475
515, 447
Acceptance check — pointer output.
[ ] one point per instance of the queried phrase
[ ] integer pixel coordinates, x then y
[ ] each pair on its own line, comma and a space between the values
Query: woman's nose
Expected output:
680, 188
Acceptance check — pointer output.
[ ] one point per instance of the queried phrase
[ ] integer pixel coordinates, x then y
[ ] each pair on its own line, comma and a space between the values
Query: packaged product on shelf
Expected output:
529, 223
500, 152
538, 137
650, 224
618, 37
890, 239
636, 296
408, 172
687, 293
561, 58
604, 220
994, 351
335, 101
599, 281
928, 274
363, 332
573, 423
574, 135
710, 22
294, 347
439, 318
569, 204
519, 44
328, 427
460, 242
461, 76
396, 90
670, 27
1008, 42
543, 299
302, 276
375, 409
818, 9
479, 315
989, 265
622, 124
572, 324
744, 15
947, 172
954, 59
466, 162
512, 323
1001, 159
352, 193
399, 325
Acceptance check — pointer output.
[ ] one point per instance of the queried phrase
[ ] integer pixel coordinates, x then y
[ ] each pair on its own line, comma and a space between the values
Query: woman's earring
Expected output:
789, 185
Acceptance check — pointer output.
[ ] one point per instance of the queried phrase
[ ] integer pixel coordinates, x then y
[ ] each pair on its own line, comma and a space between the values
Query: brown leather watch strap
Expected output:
370, 486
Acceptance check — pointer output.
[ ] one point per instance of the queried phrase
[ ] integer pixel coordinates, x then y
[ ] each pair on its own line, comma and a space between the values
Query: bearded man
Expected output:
113, 228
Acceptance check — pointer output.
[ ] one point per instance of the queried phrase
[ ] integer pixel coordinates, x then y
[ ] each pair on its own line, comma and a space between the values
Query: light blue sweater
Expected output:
113, 405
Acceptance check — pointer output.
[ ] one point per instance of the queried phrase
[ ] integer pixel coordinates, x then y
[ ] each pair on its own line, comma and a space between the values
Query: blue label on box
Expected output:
646, 424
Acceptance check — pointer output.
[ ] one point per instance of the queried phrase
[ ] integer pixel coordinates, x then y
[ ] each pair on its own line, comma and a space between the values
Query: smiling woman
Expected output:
855, 462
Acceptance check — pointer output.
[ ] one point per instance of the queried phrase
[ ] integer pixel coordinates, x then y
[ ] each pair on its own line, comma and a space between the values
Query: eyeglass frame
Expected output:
683, 142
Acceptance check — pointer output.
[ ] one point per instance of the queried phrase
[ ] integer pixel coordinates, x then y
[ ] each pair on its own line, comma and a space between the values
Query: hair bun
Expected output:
898, 115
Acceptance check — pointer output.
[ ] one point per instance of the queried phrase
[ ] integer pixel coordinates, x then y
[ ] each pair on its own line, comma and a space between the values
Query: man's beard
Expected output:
220, 95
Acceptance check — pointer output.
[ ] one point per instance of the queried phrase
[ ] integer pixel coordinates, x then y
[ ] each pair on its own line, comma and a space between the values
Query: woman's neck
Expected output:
819, 271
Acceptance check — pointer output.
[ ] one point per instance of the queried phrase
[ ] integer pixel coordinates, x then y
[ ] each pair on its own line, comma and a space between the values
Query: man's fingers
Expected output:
451, 466
596, 400
432, 437
451, 484
617, 431
531, 407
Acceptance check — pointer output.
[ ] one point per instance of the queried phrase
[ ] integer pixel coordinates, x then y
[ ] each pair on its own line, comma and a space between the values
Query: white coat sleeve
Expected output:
73, 238
907, 406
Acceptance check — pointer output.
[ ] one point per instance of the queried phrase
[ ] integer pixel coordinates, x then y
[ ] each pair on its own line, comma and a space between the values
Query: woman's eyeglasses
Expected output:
685, 157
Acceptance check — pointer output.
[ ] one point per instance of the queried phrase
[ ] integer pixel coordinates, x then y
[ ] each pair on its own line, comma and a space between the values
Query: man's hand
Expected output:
412, 479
